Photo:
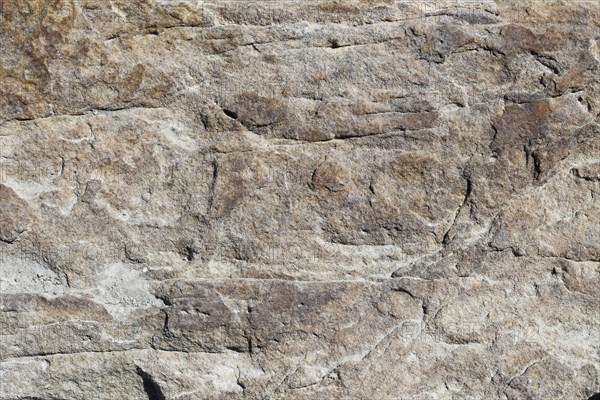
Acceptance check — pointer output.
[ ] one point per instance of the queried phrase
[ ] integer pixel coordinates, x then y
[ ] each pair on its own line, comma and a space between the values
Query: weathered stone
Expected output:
324, 199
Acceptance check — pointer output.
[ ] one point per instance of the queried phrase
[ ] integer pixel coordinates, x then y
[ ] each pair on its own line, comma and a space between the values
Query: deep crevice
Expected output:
190, 253
537, 168
403, 290
334, 43
230, 114
205, 122
150, 386
548, 62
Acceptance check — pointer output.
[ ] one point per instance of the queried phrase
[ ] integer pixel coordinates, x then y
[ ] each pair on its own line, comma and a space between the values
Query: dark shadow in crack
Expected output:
150, 386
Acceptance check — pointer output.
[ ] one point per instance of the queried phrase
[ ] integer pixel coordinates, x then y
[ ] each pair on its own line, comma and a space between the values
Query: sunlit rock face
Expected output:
377, 199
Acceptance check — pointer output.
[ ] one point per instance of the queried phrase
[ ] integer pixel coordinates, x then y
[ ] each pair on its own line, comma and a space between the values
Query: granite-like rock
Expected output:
324, 199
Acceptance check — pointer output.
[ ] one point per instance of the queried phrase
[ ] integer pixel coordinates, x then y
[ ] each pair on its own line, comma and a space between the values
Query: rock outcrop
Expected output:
324, 199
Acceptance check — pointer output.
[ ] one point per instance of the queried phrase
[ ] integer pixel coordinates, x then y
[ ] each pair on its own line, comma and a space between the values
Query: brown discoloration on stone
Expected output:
332, 199
331, 176
131, 82
59, 309
15, 215
527, 133
520, 123
260, 113
72, 308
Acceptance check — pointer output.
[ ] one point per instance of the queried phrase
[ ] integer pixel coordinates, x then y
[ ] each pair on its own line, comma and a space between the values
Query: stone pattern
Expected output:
321, 199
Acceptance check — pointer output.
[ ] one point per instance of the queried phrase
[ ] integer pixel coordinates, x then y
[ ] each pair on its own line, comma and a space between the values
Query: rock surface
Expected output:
377, 199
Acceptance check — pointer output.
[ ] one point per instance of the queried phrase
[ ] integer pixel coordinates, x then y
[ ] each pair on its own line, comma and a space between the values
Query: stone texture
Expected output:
322, 199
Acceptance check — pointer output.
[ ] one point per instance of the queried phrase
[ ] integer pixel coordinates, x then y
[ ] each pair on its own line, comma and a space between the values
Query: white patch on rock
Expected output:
123, 290
26, 276
29, 190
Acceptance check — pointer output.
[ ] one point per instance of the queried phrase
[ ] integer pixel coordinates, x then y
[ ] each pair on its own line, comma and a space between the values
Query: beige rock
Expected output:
326, 199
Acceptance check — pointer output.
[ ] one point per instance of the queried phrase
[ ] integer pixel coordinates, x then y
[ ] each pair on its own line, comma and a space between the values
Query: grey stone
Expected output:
325, 199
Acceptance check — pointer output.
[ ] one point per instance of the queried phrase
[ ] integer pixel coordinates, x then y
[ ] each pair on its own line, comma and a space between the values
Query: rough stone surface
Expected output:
377, 199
